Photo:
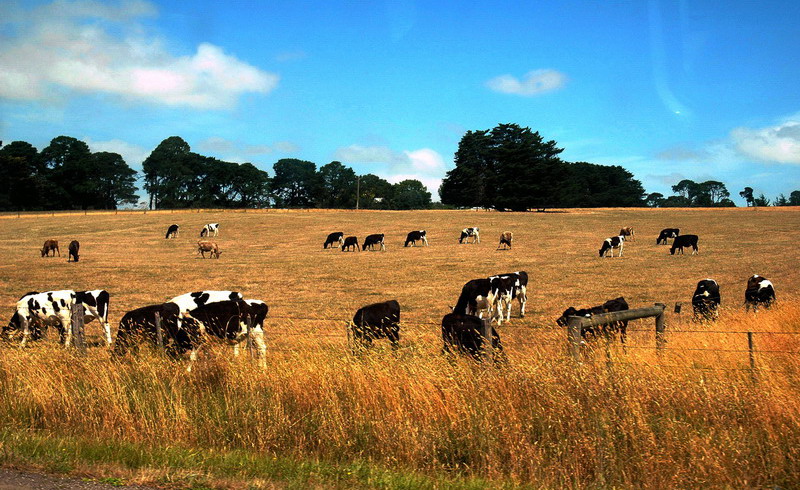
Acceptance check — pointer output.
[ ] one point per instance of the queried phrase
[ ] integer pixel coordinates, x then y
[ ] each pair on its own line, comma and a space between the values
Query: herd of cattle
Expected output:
679, 242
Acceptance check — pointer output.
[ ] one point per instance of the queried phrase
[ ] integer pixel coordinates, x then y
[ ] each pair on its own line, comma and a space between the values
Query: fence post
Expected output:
486, 346
751, 350
661, 340
249, 323
678, 306
574, 325
77, 327
159, 333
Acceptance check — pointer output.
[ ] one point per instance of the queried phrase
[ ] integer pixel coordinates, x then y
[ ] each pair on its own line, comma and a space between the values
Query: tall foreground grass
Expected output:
539, 419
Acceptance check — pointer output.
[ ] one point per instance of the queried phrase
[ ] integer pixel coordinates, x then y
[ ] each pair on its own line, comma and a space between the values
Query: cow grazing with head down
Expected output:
204, 246
759, 292
706, 300
609, 244
50, 246
476, 296
504, 289
372, 240
464, 334
350, 243
505, 240
612, 305
473, 232
627, 232
139, 325
415, 236
208, 229
172, 231
74, 247
377, 321
336, 237
683, 241
666, 234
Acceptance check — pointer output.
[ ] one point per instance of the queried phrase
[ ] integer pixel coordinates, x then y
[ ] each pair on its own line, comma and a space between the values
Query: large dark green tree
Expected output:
410, 194
295, 183
337, 186
115, 182
471, 182
23, 179
592, 185
166, 173
374, 192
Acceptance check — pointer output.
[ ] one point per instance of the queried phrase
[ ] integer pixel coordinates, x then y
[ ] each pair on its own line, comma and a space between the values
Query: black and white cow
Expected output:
415, 236
210, 228
188, 302
464, 334
505, 289
372, 240
609, 244
759, 292
350, 243
336, 237
684, 241
666, 234
476, 296
706, 300
612, 305
472, 232
74, 248
377, 321
172, 231
138, 326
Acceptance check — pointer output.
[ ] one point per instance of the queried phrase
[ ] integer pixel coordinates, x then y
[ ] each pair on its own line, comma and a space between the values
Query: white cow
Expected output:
209, 229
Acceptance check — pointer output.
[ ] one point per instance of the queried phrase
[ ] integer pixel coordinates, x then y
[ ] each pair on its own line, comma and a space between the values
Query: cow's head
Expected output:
564, 318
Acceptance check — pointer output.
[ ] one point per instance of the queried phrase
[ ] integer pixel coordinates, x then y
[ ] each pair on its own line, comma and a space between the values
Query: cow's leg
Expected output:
26, 332
523, 300
107, 331
192, 359
67, 326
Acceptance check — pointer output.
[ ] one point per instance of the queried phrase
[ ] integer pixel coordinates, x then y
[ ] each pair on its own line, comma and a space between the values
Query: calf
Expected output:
74, 246
209, 229
706, 300
609, 244
349, 243
505, 240
684, 241
617, 304
414, 236
377, 321
759, 292
464, 334
191, 301
139, 325
627, 232
372, 240
50, 245
336, 237
666, 234
204, 246
472, 232
505, 289
476, 296
172, 231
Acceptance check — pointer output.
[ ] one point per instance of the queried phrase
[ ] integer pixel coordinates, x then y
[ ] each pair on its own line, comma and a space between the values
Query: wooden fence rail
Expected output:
576, 324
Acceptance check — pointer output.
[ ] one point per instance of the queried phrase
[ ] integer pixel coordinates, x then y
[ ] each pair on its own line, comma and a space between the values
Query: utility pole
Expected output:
358, 190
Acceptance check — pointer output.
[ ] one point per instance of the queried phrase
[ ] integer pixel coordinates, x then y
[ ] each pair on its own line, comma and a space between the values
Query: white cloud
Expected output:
133, 155
533, 83
85, 46
424, 164
777, 144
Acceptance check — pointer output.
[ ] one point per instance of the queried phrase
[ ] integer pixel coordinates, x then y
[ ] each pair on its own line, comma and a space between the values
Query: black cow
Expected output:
667, 233
706, 300
377, 321
464, 334
609, 244
74, 246
617, 304
759, 292
336, 237
476, 296
350, 242
139, 325
372, 240
172, 231
684, 241
414, 236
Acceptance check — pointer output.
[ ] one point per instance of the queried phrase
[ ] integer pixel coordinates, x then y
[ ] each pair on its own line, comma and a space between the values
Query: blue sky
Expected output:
667, 89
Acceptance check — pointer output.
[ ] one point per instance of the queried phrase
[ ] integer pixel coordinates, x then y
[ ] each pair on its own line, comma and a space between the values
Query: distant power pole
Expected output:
358, 189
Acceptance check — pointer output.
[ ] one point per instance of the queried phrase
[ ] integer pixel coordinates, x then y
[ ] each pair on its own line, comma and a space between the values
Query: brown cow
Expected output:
74, 246
505, 240
50, 245
627, 232
204, 246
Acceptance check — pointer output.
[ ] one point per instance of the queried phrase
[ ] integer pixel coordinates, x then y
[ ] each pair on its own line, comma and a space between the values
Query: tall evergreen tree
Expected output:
165, 172
295, 183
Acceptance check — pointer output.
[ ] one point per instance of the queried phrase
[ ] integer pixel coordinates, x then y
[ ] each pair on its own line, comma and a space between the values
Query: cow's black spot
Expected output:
56, 308
233, 296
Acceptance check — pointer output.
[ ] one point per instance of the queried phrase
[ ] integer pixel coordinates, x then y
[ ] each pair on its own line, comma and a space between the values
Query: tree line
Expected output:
712, 193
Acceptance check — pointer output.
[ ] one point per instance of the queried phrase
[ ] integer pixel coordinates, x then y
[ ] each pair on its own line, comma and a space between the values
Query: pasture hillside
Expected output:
698, 412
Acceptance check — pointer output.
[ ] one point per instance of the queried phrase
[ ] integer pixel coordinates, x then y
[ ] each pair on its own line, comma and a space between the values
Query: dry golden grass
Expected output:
687, 418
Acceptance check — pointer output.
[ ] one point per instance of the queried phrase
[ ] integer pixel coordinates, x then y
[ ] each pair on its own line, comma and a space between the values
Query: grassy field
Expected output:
691, 417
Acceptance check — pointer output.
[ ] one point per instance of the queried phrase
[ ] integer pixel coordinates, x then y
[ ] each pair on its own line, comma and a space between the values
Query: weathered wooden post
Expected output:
574, 325
159, 333
249, 323
486, 345
77, 328
678, 306
752, 353
661, 326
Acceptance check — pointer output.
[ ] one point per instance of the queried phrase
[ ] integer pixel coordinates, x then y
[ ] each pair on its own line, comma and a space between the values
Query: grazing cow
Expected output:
684, 241
36, 311
337, 237
349, 243
706, 300
74, 246
505, 240
476, 296
666, 234
414, 236
467, 233
616, 304
505, 289
372, 240
190, 301
139, 325
50, 245
377, 321
209, 229
172, 231
759, 292
609, 244
627, 232
204, 246
464, 334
